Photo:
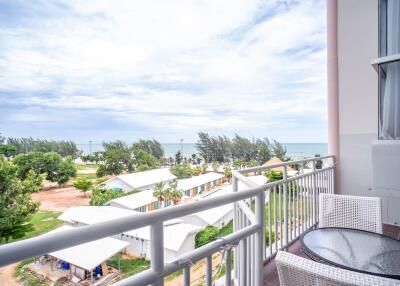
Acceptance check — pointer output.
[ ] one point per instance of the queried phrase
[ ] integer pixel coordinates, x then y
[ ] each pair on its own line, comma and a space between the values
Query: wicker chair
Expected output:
298, 271
351, 212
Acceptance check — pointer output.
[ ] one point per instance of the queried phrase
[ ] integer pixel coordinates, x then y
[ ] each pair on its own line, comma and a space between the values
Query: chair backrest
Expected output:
298, 271
355, 212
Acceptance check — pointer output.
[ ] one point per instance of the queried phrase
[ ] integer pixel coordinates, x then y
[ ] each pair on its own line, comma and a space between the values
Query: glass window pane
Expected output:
389, 27
389, 101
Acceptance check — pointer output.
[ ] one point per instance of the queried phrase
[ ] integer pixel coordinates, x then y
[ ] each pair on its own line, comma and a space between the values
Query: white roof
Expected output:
211, 216
195, 181
91, 254
259, 180
146, 178
175, 233
93, 214
135, 200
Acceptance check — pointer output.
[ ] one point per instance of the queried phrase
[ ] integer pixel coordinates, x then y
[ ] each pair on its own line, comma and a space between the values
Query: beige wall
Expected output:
358, 104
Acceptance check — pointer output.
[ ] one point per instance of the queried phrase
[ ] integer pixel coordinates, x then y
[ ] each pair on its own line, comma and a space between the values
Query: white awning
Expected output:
90, 255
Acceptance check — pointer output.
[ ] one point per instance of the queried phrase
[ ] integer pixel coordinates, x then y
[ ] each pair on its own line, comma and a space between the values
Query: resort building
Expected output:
222, 215
140, 181
83, 264
191, 187
86, 215
179, 237
143, 202
197, 185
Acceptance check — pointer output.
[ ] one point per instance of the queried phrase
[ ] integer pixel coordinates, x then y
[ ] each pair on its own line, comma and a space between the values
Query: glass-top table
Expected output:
356, 250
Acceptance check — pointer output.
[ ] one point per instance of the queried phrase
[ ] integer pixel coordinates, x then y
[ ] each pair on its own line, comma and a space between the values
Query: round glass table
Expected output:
355, 250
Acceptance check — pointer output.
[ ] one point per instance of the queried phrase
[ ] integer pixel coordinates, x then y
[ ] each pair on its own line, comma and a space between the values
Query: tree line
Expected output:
119, 157
223, 149
12, 146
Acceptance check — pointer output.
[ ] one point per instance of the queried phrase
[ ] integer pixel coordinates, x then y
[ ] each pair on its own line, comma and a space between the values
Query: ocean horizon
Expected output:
294, 150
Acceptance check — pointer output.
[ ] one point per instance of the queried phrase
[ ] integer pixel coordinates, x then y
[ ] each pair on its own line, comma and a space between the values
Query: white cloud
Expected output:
172, 67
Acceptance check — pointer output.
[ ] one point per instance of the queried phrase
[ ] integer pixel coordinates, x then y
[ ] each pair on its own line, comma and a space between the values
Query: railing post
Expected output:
314, 192
157, 251
259, 239
235, 228
285, 206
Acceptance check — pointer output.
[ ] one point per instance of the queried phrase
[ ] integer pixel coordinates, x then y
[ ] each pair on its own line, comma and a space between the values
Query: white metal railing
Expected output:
247, 241
290, 205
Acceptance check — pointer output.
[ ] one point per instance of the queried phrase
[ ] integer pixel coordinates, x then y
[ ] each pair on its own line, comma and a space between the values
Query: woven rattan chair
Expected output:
355, 212
298, 271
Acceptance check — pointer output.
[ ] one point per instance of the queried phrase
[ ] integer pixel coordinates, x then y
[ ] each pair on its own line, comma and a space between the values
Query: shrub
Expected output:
267, 242
210, 233
102, 196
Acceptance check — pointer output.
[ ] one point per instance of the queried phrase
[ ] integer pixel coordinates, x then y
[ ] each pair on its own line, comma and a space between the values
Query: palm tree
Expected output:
215, 166
176, 196
159, 192
174, 193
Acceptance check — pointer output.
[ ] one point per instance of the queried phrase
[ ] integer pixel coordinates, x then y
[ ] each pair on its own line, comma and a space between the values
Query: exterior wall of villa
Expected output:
358, 105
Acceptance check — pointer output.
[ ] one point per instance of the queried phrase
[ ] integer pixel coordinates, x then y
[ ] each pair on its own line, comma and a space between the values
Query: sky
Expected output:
104, 70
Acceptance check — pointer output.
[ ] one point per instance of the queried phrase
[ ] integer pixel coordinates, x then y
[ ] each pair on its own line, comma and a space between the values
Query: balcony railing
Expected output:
286, 208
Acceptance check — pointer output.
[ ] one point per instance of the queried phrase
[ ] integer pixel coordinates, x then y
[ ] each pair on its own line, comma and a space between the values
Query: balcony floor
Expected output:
271, 275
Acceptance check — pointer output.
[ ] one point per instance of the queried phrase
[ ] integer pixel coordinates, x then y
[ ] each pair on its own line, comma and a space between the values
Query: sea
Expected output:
294, 150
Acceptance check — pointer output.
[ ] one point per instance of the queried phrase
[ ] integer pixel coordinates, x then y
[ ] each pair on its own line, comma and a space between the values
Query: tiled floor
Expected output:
271, 275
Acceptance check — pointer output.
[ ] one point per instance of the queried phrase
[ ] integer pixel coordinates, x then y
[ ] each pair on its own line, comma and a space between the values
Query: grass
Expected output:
42, 222
25, 276
130, 266
90, 177
80, 167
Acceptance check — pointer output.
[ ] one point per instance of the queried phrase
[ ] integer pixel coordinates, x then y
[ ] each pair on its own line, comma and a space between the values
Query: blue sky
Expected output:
103, 70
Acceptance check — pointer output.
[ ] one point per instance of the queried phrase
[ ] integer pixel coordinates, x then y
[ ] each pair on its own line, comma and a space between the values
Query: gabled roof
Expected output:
195, 181
135, 200
91, 254
93, 214
275, 161
175, 233
146, 178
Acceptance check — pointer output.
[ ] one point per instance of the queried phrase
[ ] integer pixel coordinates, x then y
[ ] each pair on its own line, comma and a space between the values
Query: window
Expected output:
388, 67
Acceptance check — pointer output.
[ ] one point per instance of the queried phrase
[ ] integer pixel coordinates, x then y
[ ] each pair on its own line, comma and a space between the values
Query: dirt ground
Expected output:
6, 275
197, 272
60, 199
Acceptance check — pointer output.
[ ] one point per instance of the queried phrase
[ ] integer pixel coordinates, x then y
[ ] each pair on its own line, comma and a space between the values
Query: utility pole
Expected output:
90, 147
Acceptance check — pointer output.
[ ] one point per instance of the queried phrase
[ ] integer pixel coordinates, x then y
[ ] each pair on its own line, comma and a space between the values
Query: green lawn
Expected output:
42, 222
86, 166
130, 266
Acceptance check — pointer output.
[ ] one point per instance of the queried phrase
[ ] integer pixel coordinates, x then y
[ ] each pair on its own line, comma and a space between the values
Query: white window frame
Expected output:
383, 58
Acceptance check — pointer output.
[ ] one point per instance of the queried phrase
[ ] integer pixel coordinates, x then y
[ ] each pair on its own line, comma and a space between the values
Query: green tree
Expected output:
178, 158
318, 163
274, 175
102, 196
279, 150
215, 166
83, 185
153, 147
181, 171
228, 172
66, 170
15, 203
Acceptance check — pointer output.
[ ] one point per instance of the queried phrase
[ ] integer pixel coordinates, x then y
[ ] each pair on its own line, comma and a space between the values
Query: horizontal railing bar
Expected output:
249, 183
290, 179
190, 257
50, 242
262, 168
